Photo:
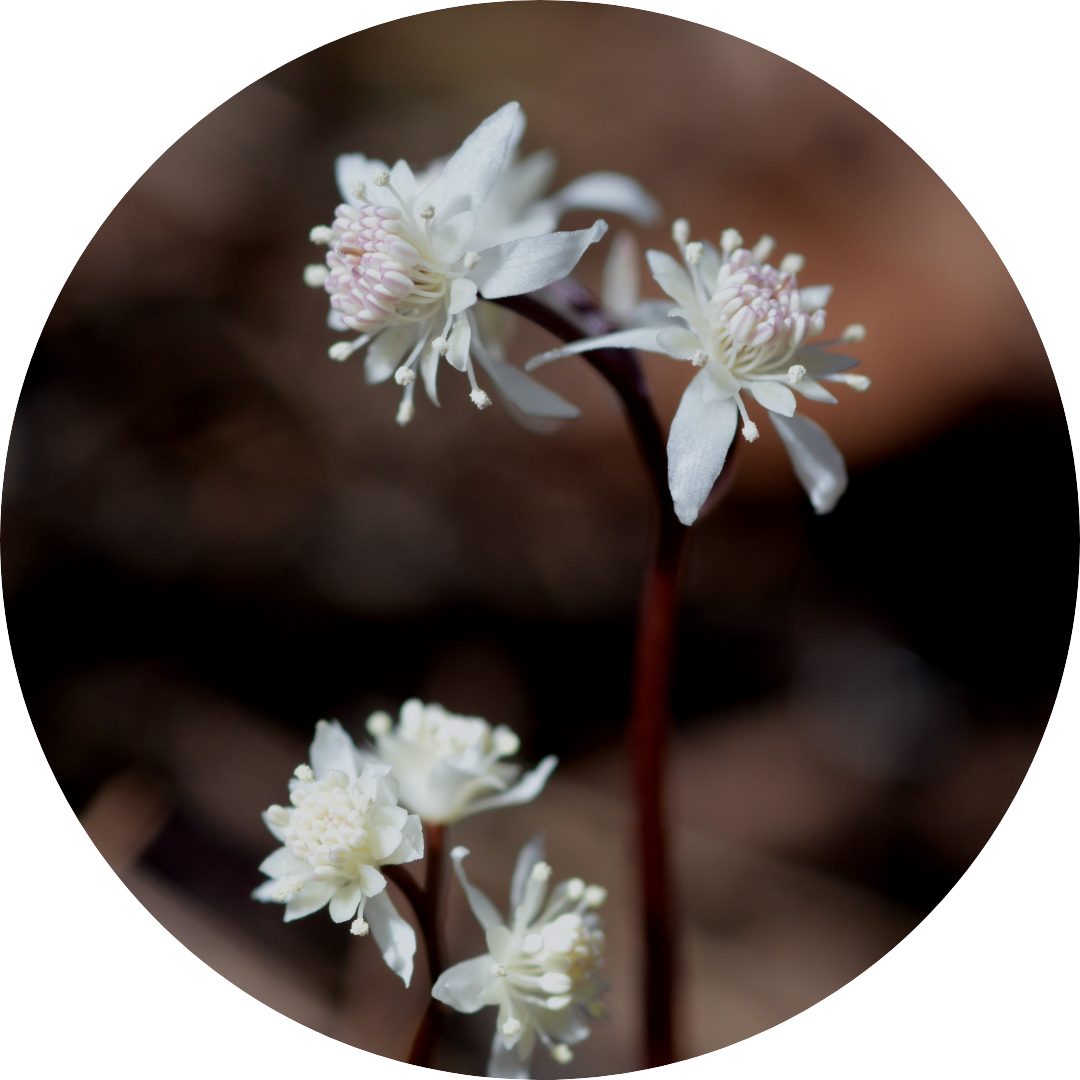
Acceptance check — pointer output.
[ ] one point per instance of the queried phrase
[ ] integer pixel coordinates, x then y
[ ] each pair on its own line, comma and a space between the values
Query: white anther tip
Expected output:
404, 375
379, 723
730, 239
321, 234
855, 332
796, 374
541, 871
750, 431
315, 275
700, 358
680, 231
511, 1026
694, 252
359, 928
470, 259
480, 399
575, 888
426, 211
406, 411
763, 248
506, 742
341, 350
562, 1053
303, 772
500, 971
792, 263
858, 382
595, 895
359, 190
380, 178
439, 346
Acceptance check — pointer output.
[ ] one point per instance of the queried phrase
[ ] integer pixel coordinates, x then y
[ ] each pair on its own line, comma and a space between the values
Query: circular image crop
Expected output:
504, 540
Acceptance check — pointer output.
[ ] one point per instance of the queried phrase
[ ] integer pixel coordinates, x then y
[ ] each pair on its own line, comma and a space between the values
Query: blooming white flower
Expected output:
343, 824
449, 766
542, 971
746, 327
410, 256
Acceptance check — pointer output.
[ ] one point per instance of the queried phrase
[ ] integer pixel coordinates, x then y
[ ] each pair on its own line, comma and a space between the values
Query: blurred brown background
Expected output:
213, 535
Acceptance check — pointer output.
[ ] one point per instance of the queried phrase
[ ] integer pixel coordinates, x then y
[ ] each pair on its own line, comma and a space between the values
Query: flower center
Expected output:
330, 827
383, 269
754, 315
557, 958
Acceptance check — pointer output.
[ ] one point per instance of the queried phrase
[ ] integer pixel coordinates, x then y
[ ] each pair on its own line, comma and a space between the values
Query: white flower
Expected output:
408, 260
344, 823
746, 327
449, 767
542, 970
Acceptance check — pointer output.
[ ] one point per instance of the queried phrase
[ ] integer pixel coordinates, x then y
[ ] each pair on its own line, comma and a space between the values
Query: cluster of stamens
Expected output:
335, 828
376, 272
444, 735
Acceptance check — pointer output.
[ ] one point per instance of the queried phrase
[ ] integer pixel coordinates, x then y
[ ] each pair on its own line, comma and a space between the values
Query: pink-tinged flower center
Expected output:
378, 270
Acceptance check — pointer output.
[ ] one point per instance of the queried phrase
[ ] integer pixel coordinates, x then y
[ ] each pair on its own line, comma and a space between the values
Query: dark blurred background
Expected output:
213, 535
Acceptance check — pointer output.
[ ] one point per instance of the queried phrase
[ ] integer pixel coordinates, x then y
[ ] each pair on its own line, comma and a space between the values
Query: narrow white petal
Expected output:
469, 175
429, 370
774, 396
525, 790
386, 352
678, 342
698, 443
283, 863
411, 847
345, 901
817, 463
672, 278
504, 1062
460, 338
525, 393
402, 179
332, 749
525, 265
528, 857
452, 238
607, 191
812, 389
463, 986
622, 283
394, 936
313, 896
487, 914
462, 295
639, 338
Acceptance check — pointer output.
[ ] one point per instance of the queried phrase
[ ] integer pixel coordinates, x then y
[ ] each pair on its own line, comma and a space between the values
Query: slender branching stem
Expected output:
426, 901
570, 312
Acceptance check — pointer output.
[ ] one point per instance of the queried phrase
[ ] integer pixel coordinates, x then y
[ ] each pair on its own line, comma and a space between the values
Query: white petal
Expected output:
525, 790
353, 169
812, 297
469, 175
429, 370
528, 857
535, 222
709, 267
640, 338
504, 1062
332, 749
335, 321
402, 179
314, 895
411, 847
394, 936
774, 396
386, 352
622, 283
678, 342
452, 238
345, 901
487, 914
523, 266
812, 389
265, 892
283, 863
672, 278
463, 986
277, 830
698, 443
607, 191
371, 881
525, 393
819, 361
460, 338
462, 295
817, 463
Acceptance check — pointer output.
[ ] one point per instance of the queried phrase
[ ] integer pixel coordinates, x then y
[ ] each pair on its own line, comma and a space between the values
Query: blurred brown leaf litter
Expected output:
213, 535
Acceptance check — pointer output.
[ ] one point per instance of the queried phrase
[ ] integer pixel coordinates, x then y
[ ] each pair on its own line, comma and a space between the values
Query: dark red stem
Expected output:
426, 902
570, 312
